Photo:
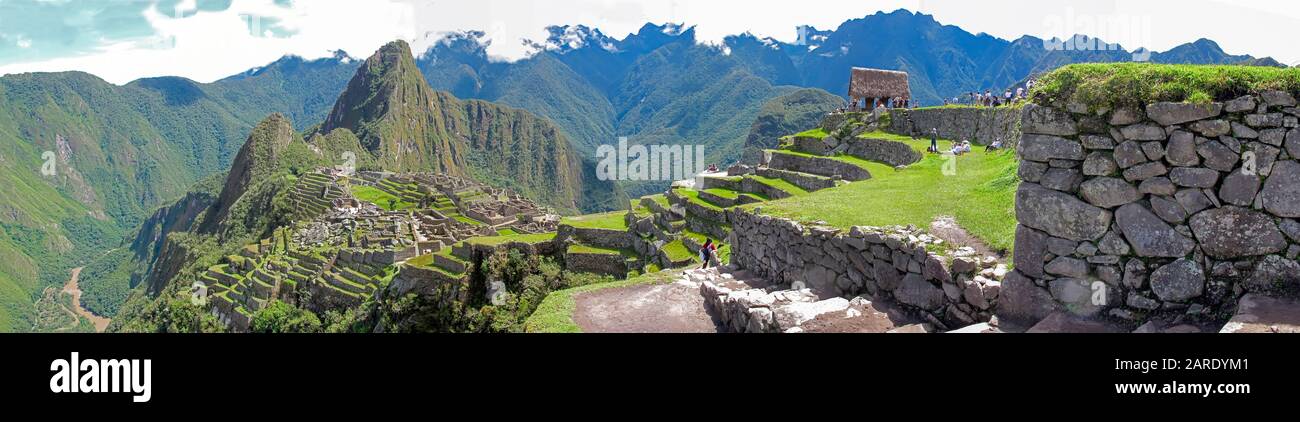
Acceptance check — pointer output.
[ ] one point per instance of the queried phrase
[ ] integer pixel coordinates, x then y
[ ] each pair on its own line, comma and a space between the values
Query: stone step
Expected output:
818, 165
342, 283
771, 187
726, 198
1262, 314
805, 181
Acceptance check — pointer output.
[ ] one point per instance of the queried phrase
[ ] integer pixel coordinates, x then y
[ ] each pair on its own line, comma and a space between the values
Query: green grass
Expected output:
818, 133
462, 218
507, 232
596, 250
694, 196
733, 195
380, 198
843, 158
610, 220
780, 184
1138, 84
531, 239
661, 199
677, 251
555, 313
724, 252
980, 196
422, 261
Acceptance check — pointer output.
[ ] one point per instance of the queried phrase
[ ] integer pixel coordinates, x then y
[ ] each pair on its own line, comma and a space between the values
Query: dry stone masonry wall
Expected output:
949, 289
1173, 210
980, 125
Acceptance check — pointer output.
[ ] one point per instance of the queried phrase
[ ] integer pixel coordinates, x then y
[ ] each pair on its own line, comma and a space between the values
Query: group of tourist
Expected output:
992, 99
958, 148
872, 104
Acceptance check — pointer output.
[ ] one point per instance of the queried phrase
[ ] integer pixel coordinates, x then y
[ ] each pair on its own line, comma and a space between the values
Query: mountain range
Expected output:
148, 159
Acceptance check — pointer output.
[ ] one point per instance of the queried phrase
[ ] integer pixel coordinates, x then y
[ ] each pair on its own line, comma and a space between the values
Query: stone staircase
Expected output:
744, 303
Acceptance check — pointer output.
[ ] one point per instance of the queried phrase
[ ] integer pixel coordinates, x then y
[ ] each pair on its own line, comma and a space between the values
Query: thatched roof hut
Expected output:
876, 83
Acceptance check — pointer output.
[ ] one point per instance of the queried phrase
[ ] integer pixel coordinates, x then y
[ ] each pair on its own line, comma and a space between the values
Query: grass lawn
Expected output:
380, 198
555, 313
981, 196
531, 239
507, 232
610, 220
818, 133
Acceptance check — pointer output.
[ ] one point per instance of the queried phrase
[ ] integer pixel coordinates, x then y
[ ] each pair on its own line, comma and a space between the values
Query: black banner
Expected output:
199, 370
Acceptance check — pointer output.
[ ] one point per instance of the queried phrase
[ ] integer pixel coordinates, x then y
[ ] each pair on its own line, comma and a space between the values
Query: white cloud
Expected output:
208, 46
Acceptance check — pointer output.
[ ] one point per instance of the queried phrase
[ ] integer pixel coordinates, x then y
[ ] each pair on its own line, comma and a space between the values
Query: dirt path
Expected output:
71, 288
946, 228
657, 308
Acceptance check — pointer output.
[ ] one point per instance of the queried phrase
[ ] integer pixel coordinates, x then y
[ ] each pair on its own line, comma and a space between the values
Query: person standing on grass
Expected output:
934, 140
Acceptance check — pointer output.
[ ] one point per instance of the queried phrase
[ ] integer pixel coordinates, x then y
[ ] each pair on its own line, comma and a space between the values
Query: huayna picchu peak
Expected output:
407, 126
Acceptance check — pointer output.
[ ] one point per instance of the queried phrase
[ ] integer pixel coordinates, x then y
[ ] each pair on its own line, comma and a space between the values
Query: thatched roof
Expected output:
876, 83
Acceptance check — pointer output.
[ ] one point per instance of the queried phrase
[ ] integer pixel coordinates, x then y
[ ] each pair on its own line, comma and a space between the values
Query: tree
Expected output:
280, 317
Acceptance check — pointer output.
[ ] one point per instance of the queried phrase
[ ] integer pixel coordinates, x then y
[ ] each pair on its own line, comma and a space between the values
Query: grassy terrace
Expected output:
555, 313
779, 184
843, 158
595, 250
980, 195
610, 220
531, 239
677, 251
693, 195
380, 198
734, 195
1139, 84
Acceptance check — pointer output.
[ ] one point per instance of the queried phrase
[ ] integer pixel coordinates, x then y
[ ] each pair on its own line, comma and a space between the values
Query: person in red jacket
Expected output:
708, 253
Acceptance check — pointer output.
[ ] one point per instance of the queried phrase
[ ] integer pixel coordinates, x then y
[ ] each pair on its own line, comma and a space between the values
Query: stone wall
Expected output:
951, 289
1172, 210
980, 125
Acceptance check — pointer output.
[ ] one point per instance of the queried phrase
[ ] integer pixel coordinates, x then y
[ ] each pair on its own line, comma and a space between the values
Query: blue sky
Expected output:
121, 40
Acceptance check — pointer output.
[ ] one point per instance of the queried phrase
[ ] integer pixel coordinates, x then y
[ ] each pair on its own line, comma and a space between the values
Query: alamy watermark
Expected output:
649, 163
1104, 32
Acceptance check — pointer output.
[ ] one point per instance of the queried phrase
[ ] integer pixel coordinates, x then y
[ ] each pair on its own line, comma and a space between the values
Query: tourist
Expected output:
1006, 97
934, 140
708, 253
1020, 93
996, 145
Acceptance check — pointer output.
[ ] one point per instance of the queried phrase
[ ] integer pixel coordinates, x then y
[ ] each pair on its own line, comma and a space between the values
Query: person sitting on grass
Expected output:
996, 145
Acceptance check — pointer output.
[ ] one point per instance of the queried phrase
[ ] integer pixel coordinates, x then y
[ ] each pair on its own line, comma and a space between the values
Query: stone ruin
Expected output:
340, 248
1167, 214
944, 286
